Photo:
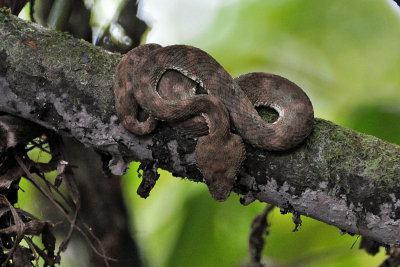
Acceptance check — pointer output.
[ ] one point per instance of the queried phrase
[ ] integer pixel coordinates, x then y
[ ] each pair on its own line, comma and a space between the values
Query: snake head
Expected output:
219, 161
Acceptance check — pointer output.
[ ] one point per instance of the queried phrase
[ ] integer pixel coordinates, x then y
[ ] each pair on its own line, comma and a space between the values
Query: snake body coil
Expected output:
188, 88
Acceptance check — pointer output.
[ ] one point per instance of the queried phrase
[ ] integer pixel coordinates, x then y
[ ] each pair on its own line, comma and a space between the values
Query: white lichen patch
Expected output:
173, 150
334, 209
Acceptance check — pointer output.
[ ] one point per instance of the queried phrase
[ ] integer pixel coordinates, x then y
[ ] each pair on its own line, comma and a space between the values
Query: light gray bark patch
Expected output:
335, 210
173, 149
11, 103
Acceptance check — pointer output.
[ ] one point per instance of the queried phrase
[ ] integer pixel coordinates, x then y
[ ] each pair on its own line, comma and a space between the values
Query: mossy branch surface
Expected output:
338, 176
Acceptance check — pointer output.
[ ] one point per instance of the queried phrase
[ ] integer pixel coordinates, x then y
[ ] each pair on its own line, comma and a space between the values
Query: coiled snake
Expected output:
188, 88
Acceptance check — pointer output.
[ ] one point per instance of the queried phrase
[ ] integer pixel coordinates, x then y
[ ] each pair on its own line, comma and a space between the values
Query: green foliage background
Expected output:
345, 55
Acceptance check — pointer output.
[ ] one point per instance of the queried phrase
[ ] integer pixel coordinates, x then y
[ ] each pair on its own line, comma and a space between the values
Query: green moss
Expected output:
354, 165
4, 13
61, 59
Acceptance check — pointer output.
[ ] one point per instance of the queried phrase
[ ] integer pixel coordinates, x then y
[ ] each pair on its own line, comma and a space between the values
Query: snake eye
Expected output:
268, 114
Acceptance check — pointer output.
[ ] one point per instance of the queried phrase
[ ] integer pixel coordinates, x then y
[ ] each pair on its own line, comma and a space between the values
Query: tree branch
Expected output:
337, 176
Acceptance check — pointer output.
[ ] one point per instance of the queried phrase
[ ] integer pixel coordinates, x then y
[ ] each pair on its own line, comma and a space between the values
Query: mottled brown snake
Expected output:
188, 88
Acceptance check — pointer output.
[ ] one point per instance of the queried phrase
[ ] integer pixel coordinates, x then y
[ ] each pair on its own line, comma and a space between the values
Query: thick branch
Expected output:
337, 175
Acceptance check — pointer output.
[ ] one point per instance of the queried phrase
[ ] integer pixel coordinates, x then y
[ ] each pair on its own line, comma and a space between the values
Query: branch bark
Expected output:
338, 176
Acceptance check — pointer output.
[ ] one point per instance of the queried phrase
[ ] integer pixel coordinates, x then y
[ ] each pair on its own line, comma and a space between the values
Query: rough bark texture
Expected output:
337, 175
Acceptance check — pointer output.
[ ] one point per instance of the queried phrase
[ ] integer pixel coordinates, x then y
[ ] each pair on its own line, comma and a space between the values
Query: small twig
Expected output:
72, 221
32, 247
393, 260
19, 230
38, 186
51, 186
44, 256
38, 145
92, 246
72, 226
70, 186
256, 239
296, 218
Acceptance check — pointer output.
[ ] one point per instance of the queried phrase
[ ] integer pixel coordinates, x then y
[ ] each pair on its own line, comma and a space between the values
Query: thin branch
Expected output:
259, 229
64, 211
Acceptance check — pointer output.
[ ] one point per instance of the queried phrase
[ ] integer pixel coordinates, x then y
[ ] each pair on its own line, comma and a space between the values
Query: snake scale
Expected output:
186, 87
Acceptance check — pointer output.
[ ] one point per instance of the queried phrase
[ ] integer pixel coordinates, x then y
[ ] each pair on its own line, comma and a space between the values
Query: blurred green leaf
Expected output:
382, 121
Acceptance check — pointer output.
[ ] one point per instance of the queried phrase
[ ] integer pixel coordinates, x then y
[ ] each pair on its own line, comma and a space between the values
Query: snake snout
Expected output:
220, 184
220, 191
